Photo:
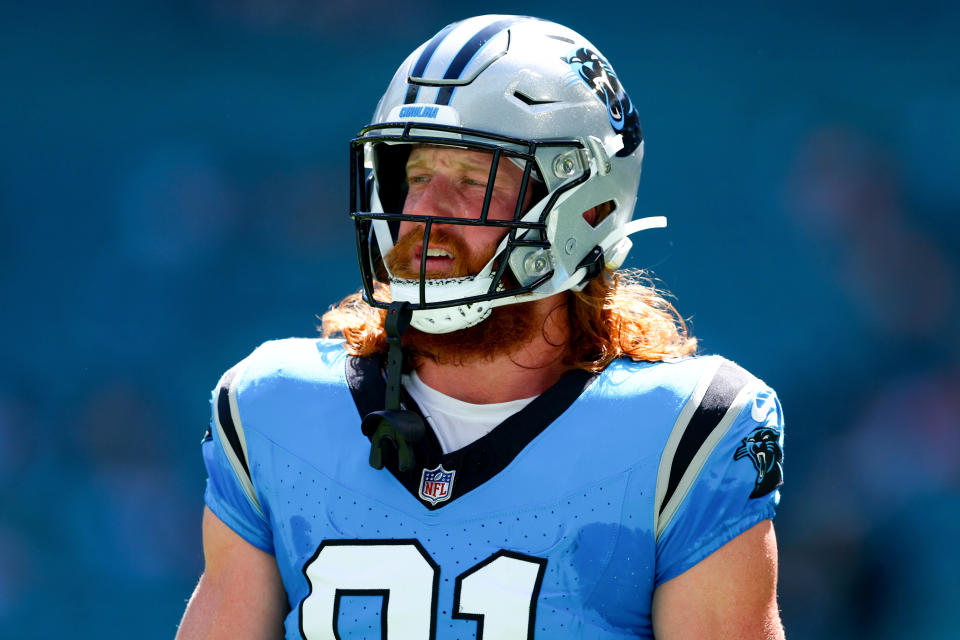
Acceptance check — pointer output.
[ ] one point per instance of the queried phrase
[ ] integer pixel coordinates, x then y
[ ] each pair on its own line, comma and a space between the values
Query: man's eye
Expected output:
416, 179
473, 182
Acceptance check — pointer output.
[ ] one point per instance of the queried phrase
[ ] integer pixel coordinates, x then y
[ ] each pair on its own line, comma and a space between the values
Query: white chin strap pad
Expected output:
446, 319
450, 319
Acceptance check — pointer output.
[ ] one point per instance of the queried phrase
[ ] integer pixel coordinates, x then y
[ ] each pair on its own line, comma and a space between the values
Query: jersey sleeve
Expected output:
724, 474
230, 493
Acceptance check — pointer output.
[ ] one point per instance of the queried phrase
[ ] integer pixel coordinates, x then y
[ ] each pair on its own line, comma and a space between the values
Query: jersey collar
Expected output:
484, 458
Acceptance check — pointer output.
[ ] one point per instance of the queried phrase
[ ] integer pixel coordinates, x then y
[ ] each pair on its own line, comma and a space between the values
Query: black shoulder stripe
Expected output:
225, 417
727, 383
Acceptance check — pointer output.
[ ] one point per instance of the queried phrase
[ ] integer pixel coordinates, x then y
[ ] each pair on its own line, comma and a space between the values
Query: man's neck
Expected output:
527, 370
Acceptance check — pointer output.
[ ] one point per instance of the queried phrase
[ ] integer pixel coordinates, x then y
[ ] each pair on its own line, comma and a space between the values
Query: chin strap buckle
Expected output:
394, 428
594, 263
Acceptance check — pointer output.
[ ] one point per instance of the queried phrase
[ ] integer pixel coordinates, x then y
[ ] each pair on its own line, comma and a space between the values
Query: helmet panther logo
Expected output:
599, 76
762, 446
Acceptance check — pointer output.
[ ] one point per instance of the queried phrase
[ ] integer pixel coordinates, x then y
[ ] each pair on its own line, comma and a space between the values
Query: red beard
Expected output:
504, 331
507, 328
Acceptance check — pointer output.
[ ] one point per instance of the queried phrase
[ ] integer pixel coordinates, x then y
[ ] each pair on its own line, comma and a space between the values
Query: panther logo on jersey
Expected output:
599, 76
762, 446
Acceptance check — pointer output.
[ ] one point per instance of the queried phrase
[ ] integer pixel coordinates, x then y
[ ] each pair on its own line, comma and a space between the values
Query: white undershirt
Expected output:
458, 423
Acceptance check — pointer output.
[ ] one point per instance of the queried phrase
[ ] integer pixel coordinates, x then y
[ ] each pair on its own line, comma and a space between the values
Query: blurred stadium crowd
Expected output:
173, 190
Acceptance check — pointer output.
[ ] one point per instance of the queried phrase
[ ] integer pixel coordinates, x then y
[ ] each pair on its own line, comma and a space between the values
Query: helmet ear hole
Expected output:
599, 213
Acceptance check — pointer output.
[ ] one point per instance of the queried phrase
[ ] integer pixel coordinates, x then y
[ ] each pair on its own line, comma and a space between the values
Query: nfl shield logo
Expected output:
436, 484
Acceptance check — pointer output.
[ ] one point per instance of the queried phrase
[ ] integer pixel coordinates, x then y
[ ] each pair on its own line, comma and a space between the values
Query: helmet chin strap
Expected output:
393, 428
611, 253
616, 247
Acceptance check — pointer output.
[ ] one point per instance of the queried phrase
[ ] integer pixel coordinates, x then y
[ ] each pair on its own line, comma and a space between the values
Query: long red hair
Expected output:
619, 314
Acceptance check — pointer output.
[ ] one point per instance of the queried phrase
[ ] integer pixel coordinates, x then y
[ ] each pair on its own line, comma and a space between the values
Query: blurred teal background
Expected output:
173, 189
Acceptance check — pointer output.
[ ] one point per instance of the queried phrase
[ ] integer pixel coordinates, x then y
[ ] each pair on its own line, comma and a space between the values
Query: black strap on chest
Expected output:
393, 428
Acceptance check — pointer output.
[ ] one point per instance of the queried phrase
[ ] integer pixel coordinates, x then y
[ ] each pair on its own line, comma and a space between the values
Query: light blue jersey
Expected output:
559, 523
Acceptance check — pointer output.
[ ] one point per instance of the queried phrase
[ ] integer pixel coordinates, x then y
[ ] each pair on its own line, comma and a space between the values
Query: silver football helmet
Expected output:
528, 91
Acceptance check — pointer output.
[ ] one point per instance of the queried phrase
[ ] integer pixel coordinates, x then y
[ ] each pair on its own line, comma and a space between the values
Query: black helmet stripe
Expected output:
466, 54
423, 61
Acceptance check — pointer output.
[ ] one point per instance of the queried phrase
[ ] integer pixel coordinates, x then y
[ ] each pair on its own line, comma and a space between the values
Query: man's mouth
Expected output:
447, 256
438, 259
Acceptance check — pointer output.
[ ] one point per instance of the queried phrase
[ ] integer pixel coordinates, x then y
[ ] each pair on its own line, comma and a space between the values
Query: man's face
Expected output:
449, 182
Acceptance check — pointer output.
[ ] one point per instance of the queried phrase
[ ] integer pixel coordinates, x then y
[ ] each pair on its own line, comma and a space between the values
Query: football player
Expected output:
509, 438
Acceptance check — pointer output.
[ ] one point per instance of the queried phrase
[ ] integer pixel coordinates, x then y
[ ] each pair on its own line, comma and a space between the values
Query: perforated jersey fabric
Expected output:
559, 523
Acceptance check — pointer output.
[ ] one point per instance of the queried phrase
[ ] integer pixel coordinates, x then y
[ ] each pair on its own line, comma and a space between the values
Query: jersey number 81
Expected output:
500, 592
